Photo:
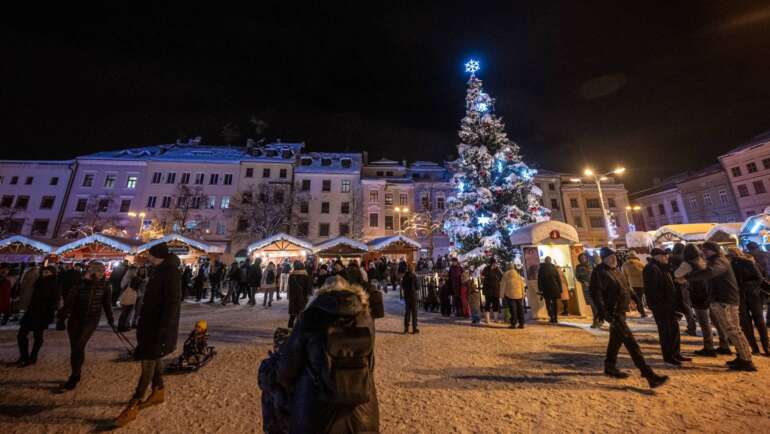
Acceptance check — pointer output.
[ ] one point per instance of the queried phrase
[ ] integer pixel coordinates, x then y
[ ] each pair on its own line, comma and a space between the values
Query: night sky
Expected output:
657, 87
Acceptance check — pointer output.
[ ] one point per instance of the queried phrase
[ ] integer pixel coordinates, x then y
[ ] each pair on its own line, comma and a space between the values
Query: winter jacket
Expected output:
748, 276
490, 279
86, 301
68, 279
659, 288
610, 291
410, 287
27, 286
402, 267
700, 294
763, 261
234, 273
549, 281
583, 274
300, 289
354, 276
512, 285
270, 278
721, 279
255, 275
5, 295
158, 327
42, 305
303, 358
455, 279
633, 269
564, 285
474, 299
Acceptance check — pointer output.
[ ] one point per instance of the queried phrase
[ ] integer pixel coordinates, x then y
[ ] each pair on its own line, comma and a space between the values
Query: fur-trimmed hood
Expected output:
338, 297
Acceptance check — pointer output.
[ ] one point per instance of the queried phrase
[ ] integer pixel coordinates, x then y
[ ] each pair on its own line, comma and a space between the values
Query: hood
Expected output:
172, 261
340, 299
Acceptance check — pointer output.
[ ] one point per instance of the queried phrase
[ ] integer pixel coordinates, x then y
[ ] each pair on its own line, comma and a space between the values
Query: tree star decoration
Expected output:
472, 66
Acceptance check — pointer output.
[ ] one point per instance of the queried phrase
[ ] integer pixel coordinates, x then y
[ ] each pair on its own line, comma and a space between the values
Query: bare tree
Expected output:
97, 217
427, 222
300, 203
262, 211
184, 215
11, 220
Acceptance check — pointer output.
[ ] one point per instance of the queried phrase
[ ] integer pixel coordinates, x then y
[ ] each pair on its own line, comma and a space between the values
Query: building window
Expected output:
554, 204
109, 181
324, 207
170, 178
81, 205
593, 203
751, 167
15, 226
661, 209
345, 162
185, 178
166, 202
22, 202
212, 203
305, 185
440, 202
214, 179
304, 207
345, 186
150, 201
389, 173
326, 185
266, 172
6, 202
693, 203
88, 180
282, 173
766, 163
306, 161
344, 229
278, 197
374, 220
403, 199
707, 203
326, 161
388, 198
103, 205
380, 173
578, 221
156, 177
345, 208
29, 180
39, 227
195, 202
675, 206
649, 211
388, 222
125, 205
736, 171
424, 201
224, 203
228, 179
54, 181
759, 187
131, 182
220, 228
573, 203
551, 186
199, 178
611, 202
249, 172
723, 199
374, 196
323, 229
15, 180
47, 202
596, 222
303, 229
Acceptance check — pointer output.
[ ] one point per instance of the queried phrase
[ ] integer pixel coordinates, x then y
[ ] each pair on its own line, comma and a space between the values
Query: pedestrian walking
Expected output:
300, 289
40, 312
411, 294
632, 269
549, 284
512, 286
661, 294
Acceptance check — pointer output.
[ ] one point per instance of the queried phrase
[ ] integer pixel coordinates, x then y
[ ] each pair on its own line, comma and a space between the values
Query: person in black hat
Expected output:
661, 297
611, 294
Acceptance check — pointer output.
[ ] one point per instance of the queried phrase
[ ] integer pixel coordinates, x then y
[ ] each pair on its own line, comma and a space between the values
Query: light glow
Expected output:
472, 66
588, 172
483, 220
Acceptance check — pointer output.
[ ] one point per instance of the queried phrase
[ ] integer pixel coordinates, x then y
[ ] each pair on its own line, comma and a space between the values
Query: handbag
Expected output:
128, 297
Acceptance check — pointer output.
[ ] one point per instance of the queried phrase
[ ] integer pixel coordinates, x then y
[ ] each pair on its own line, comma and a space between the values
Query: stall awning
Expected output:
639, 239
547, 232
280, 242
119, 245
24, 245
170, 238
724, 232
399, 241
693, 232
340, 246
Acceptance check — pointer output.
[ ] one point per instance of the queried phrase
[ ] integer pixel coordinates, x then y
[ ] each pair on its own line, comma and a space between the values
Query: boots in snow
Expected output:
71, 383
158, 396
128, 414
614, 372
743, 365
655, 380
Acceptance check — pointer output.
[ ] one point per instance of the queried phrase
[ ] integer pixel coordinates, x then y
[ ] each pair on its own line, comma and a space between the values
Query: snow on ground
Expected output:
450, 378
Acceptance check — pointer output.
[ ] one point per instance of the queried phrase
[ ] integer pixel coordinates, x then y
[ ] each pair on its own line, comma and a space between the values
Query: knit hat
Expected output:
605, 252
657, 251
159, 251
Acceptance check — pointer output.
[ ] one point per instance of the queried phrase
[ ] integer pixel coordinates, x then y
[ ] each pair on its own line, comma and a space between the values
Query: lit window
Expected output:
374, 196
345, 186
388, 199
225, 202
131, 182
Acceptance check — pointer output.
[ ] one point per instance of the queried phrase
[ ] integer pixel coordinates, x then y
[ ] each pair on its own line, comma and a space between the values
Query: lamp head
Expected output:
619, 170
588, 172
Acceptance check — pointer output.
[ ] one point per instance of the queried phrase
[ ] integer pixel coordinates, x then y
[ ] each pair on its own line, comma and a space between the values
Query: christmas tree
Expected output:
495, 191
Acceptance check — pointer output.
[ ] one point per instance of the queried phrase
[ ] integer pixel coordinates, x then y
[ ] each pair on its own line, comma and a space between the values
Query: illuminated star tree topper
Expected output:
472, 66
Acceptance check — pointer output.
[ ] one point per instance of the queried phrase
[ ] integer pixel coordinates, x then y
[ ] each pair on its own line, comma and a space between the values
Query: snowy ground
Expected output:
450, 378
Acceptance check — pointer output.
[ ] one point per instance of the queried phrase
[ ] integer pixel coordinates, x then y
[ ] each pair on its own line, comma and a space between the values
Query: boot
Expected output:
128, 414
724, 351
705, 353
71, 383
486, 317
158, 396
743, 365
614, 372
655, 380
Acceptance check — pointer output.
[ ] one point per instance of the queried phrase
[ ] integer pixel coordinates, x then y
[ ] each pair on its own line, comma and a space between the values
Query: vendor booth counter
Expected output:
668, 235
394, 248
189, 250
280, 247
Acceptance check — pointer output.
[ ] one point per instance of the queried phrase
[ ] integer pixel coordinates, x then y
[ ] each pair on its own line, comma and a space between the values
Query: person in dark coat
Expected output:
661, 298
300, 290
186, 281
39, 314
5, 295
157, 331
343, 309
83, 310
411, 291
490, 281
749, 278
455, 286
762, 259
683, 301
549, 284
612, 295
115, 278
255, 280
353, 273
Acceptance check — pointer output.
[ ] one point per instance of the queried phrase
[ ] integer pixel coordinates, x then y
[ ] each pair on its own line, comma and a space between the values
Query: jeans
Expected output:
267, 298
727, 317
705, 319
125, 316
79, 335
552, 306
620, 334
23, 342
668, 331
151, 371
516, 307
751, 316
137, 310
410, 313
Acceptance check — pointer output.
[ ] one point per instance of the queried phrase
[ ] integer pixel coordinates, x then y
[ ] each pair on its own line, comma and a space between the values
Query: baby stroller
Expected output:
196, 352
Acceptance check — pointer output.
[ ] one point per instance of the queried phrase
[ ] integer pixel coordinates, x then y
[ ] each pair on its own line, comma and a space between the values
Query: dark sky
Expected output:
657, 86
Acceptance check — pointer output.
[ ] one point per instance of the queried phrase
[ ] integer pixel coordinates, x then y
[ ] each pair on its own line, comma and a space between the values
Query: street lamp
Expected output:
633, 209
400, 210
589, 173
141, 216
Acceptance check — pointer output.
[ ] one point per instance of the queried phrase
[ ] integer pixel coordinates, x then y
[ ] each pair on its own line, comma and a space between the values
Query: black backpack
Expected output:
347, 377
270, 277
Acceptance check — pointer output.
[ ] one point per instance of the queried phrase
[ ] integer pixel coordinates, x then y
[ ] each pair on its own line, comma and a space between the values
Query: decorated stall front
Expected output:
725, 234
188, 250
757, 229
98, 247
560, 242
280, 247
394, 248
341, 247
641, 242
21, 249
668, 235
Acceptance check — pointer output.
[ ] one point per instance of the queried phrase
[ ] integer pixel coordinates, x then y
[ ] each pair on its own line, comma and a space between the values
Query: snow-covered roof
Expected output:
757, 140
194, 152
639, 239
540, 233
755, 223
478, 251
122, 244
383, 162
177, 237
383, 242
329, 162
21, 239
725, 228
277, 238
686, 232
339, 241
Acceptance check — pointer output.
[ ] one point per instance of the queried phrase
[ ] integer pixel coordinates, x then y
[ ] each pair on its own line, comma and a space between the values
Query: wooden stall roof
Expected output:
281, 242
22, 245
398, 243
172, 239
98, 246
340, 246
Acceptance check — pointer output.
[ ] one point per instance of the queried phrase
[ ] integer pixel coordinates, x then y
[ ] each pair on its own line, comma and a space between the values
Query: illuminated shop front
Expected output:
280, 247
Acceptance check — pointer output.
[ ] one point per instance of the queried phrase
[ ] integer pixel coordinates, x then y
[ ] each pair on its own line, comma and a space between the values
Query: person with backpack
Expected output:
411, 294
300, 289
269, 283
328, 363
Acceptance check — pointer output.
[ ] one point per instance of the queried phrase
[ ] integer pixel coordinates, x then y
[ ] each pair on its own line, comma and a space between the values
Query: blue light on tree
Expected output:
483, 220
472, 66
482, 107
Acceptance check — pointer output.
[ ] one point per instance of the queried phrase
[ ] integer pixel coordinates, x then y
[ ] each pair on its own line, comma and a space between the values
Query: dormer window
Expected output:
271, 153
346, 163
389, 173
287, 154
326, 161
307, 161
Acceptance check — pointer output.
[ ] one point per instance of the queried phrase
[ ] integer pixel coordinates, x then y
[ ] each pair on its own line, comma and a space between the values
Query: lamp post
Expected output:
399, 210
588, 173
141, 216
633, 209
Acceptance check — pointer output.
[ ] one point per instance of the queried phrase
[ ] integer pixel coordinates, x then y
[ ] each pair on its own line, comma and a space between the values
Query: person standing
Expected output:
83, 310
762, 259
269, 283
611, 293
116, 278
564, 291
300, 289
27, 285
455, 286
549, 284
583, 275
661, 297
684, 302
5, 294
512, 286
474, 297
255, 280
127, 301
633, 269
40, 312
353, 274
719, 274
749, 279
411, 291
157, 332
490, 281
139, 284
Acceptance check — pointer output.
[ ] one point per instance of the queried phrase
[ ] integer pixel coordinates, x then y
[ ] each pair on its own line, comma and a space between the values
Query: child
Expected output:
474, 298
196, 352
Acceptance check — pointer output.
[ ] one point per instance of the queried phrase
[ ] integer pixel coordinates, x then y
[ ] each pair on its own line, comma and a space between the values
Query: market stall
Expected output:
21, 249
668, 235
188, 250
560, 242
725, 234
394, 248
98, 247
757, 229
641, 242
280, 247
340, 247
